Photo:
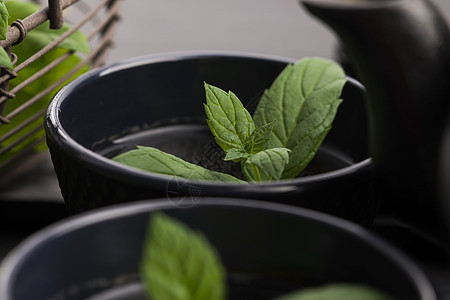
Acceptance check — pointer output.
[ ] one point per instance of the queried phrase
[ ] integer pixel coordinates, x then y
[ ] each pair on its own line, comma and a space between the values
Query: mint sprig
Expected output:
290, 123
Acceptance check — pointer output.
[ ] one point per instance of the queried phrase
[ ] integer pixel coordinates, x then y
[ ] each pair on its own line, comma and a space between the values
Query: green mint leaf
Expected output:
42, 35
179, 263
338, 292
236, 155
257, 141
230, 123
282, 102
304, 100
266, 165
4, 17
5, 61
153, 160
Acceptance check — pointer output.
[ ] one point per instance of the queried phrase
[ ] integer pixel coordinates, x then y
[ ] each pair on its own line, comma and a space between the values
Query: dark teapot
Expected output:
444, 177
400, 50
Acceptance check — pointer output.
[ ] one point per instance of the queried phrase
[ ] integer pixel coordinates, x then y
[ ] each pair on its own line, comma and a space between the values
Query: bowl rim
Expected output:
55, 130
14, 260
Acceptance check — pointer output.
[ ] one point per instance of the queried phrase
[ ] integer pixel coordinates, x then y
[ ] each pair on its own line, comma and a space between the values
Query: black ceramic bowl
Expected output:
158, 101
268, 249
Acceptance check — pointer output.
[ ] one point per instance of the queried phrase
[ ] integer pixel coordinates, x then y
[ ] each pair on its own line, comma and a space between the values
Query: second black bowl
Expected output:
268, 250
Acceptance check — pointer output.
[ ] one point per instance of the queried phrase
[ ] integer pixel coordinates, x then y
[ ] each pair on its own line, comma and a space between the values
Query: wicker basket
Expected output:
21, 126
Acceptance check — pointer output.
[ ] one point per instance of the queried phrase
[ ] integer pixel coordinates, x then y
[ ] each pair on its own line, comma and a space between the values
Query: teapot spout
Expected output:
400, 51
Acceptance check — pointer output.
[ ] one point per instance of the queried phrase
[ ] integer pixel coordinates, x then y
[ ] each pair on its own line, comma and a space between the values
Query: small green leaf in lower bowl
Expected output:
180, 264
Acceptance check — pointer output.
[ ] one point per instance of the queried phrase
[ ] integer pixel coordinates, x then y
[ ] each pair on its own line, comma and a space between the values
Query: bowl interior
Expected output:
268, 249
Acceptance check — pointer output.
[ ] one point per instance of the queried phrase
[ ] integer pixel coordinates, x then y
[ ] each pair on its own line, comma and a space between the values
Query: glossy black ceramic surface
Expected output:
444, 179
168, 89
268, 249
400, 50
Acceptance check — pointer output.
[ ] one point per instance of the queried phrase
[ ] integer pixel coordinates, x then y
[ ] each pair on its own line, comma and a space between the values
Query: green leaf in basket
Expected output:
303, 100
156, 161
5, 61
179, 263
341, 291
35, 40
4, 16
42, 35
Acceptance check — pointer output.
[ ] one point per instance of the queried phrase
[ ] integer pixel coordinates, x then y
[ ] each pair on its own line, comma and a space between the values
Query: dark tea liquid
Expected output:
195, 143
237, 289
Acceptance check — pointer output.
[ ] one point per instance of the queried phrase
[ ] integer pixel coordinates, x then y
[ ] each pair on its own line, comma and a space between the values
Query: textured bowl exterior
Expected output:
84, 188
108, 100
